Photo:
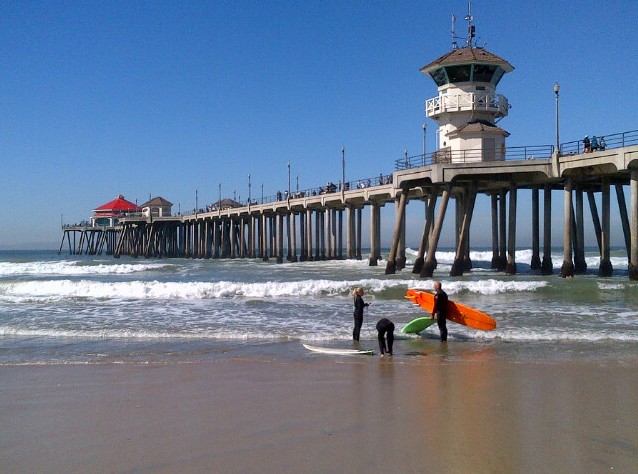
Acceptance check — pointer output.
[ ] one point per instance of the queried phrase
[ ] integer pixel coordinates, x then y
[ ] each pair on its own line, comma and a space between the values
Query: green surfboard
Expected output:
417, 325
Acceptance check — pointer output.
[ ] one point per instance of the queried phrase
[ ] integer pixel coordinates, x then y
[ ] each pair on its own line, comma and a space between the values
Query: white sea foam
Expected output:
76, 267
62, 289
522, 256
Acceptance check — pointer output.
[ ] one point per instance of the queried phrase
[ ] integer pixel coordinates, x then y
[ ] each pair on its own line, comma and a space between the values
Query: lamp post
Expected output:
343, 169
424, 130
289, 180
219, 203
196, 204
297, 183
248, 190
262, 193
556, 91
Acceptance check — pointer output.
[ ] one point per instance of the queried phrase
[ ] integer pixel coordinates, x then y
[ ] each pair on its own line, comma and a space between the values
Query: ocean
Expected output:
70, 309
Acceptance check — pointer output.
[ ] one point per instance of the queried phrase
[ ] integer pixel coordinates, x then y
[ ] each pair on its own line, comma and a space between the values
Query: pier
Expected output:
471, 160
328, 226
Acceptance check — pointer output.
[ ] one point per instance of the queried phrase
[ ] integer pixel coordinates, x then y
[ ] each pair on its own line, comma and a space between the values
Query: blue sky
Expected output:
166, 98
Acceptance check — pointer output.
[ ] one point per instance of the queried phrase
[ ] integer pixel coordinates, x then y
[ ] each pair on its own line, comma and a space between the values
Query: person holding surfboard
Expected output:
440, 309
359, 304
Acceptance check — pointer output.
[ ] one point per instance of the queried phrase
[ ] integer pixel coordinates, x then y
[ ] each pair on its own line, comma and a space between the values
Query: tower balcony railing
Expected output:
469, 101
446, 155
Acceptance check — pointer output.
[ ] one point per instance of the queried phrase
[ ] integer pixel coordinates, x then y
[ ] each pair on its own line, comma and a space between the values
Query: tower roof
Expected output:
467, 55
157, 202
480, 126
119, 204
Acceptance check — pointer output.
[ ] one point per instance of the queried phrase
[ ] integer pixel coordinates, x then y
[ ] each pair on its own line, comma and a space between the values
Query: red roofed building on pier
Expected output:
107, 215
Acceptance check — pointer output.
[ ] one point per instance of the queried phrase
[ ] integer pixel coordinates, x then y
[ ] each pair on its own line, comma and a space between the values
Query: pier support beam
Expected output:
547, 267
293, 237
535, 264
430, 260
264, 237
502, 218
358, 233
391, 266
567, 269
351, 252
329, 236
340, 234
494, 213
580, 265
279, 237
425, 236
624, 218
595, 219
309, 234
335, 237
302, 237
511, 244
605, 269
401, 250
462, 248
633, 254
375, 234
319, 235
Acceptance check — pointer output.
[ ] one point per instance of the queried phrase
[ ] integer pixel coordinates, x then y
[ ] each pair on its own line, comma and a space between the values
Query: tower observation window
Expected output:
459, 73
483, 72
497, 76
439, 76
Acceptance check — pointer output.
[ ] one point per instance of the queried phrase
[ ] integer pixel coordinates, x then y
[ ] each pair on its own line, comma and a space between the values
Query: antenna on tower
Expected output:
471, 29
454, 44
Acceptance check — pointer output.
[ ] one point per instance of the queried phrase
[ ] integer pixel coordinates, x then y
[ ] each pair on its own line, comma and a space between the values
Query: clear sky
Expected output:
166, 98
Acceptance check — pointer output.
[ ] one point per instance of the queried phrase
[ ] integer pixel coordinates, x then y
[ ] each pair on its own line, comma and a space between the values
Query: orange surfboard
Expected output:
456, 312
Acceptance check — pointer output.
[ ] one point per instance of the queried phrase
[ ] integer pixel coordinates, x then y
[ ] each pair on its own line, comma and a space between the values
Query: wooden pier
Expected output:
90, 240
312, 227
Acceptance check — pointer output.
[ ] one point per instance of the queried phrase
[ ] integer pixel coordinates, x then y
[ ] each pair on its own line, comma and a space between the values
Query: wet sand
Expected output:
321, 414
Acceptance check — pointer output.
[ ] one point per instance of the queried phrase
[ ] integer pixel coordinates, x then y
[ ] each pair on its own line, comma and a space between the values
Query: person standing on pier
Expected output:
440, 309
359, 304
586, 144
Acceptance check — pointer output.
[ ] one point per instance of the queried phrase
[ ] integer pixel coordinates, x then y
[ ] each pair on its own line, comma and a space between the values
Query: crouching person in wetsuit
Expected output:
440, 309
385, 327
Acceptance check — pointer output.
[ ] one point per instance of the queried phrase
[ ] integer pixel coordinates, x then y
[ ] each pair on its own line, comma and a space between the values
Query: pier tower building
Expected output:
467, 106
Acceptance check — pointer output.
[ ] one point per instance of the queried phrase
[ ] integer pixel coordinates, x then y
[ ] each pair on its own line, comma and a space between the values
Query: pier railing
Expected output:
329, 188
473, 156
617, 140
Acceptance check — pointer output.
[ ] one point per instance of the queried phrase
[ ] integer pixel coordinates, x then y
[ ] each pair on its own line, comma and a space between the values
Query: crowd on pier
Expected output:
593, 144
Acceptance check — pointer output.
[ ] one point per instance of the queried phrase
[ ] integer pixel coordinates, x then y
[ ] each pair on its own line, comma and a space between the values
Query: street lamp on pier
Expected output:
425, 126
219, 203
556, 91
343, 169
289, 180
249, 189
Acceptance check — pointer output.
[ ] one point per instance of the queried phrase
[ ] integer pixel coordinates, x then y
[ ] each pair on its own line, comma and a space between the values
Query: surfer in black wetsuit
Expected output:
358, 312
440, 309
385, 326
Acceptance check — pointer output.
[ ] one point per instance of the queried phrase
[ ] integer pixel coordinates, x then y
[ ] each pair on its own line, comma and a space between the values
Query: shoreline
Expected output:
321, 414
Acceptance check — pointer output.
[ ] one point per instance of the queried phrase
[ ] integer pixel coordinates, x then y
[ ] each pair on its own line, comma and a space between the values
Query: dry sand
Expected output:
321, 414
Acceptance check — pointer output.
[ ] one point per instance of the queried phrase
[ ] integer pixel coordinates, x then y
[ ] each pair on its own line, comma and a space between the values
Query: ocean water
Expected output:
61, 309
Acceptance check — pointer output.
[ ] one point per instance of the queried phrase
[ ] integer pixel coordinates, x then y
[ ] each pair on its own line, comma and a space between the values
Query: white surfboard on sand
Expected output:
337, 351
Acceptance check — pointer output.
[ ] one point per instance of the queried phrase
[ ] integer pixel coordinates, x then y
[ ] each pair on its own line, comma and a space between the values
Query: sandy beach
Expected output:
320, 414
